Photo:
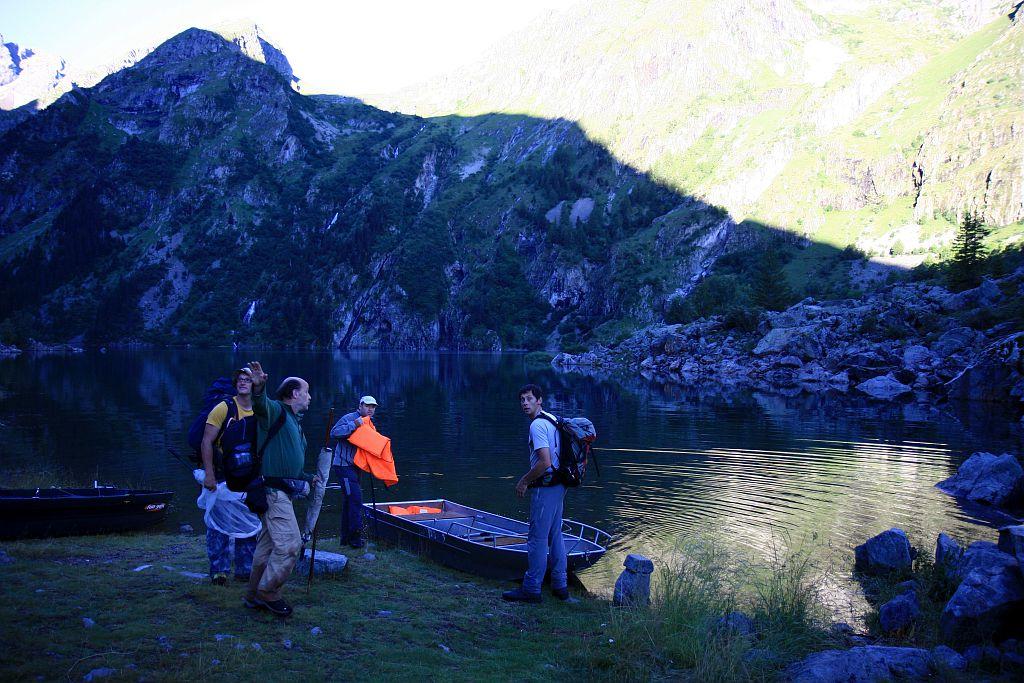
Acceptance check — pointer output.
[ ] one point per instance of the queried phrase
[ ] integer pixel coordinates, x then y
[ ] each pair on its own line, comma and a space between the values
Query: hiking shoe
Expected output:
519, 595
560, 593
219, 579
278, 607
357, 543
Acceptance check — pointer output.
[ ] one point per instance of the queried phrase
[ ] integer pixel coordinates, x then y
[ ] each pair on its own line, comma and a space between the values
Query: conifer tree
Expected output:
968, 251
769, 288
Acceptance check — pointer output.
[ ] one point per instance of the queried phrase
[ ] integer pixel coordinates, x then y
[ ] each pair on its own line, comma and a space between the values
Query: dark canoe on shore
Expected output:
40, 513
475, 541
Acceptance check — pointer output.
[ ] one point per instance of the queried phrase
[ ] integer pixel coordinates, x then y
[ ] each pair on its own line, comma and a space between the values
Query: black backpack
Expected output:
220, 390
240, 460
575, 434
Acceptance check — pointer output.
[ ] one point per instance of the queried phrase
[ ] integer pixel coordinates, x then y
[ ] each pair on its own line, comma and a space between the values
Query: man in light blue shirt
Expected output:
544, 541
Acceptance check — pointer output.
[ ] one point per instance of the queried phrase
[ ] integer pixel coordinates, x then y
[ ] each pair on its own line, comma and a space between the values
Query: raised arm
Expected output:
344, 427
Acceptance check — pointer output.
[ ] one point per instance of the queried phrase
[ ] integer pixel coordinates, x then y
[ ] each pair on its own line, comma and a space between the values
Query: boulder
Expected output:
866, 664
633, 587
948, 555
995, 376
1011, 542
325, 563
948, 659
790, 362
887, 552
991, 591
987, 478
917, 358
981, 654
803, 342
899, 613
885, 387
737, 623
953, 341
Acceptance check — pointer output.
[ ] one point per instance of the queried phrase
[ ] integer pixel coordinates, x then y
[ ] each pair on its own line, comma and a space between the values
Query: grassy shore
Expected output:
75, 605
394, 617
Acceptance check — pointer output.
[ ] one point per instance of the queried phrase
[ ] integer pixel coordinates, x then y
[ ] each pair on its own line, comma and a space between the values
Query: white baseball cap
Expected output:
368, 400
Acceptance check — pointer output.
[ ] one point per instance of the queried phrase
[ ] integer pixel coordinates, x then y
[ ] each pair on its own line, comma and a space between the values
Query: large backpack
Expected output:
220, 390
240, 460
575, 436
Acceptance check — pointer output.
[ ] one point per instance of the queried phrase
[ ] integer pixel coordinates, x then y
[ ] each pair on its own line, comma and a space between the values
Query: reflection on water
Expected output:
674, 463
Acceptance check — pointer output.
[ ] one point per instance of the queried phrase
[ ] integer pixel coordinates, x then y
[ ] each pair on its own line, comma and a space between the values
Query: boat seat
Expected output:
436, 515
509, 540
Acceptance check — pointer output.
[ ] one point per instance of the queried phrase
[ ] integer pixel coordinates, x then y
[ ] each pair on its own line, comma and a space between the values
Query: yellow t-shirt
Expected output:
220, 413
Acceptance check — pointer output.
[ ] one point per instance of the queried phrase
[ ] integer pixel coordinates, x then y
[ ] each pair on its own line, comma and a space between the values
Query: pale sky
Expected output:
342, 47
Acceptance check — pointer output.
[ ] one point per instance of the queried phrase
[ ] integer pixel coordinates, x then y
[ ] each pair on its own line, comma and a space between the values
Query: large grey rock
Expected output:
803, 342
867, 664
946, 658
917, 358
953, 341
995, 375
987, 478
990, 593
949, 555
633, 587
885, 387
899, 613
887, 552
1011, 541
326, 563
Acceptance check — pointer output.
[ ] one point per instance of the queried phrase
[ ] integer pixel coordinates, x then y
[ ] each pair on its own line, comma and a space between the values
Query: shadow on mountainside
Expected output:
195, 197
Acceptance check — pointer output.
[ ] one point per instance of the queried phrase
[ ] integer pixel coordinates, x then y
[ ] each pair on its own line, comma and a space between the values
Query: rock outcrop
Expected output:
869, 664
989, 479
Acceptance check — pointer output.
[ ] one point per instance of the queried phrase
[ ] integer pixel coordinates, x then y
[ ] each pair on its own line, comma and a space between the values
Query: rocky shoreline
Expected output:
909, 340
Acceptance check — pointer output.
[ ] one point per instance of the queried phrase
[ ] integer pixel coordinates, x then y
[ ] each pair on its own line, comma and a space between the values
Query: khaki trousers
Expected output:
277, 548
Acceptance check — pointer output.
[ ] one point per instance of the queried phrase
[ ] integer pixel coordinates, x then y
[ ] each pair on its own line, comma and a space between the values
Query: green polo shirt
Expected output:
285, 455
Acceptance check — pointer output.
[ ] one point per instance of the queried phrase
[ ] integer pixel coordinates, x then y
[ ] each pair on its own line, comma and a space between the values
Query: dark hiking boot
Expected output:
219, 579
560, 593
356, 543
519, 595
278, 607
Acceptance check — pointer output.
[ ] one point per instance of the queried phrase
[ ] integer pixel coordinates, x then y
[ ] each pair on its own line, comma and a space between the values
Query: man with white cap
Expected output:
347, 474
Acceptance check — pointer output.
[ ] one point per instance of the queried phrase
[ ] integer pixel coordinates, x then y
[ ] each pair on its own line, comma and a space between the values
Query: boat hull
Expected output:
472, 540
43, 513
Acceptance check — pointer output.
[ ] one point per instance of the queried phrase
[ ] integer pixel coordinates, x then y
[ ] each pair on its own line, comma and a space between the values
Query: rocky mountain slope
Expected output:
570, 189
196, 196
873, 123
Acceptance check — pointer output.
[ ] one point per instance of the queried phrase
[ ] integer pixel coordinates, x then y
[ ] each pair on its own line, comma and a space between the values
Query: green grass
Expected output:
394, 617
679, 637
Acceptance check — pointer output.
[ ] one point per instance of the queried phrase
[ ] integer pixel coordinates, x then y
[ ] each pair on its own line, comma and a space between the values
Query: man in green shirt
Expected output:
280, 541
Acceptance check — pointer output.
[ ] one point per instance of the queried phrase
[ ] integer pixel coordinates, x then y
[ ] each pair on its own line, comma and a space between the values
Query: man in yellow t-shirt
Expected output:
218, 545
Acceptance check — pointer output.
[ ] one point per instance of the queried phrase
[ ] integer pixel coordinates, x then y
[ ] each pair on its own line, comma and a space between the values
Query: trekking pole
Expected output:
316, 524
373, 500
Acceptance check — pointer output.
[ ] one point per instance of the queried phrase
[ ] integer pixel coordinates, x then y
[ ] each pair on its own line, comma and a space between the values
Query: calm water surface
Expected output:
749, 468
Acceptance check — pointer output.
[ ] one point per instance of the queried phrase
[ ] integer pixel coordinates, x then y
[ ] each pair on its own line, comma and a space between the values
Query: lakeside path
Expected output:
77, 605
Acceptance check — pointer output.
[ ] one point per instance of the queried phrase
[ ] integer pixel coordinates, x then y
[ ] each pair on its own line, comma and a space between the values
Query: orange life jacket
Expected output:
373, 453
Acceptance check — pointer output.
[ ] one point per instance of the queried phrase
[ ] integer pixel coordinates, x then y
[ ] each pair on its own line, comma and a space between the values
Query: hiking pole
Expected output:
317, 501
373, 500
180, 458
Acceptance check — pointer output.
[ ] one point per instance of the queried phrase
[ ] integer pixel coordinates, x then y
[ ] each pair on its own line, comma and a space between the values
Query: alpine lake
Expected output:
758, 472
